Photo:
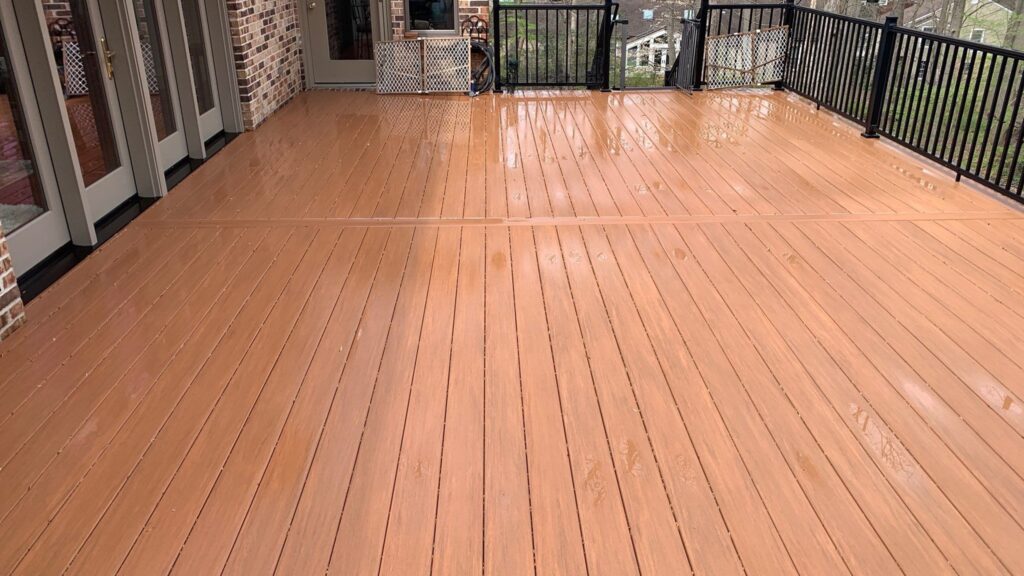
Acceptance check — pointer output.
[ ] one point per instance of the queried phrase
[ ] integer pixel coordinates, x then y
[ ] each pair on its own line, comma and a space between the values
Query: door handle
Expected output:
311, 6
108, 58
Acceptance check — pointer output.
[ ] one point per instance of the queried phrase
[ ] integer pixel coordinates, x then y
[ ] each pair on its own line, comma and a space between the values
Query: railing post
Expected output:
496, 34
621, 24
606, 50
787, 21
787, 13
698, 53
883, 63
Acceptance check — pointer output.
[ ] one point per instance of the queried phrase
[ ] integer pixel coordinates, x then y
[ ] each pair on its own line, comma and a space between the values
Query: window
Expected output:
928, 29
430, 15
978, 35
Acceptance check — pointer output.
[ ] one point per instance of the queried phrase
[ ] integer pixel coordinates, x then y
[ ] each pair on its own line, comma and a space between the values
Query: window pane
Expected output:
21, 195
432, 14
81, 69
197, 53
156, 70
349, 29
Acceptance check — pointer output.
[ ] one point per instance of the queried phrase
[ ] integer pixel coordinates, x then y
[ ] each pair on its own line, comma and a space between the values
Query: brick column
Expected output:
12, 311
267, 43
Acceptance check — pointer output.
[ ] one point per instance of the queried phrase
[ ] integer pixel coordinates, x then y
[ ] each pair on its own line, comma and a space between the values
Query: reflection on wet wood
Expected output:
589, 333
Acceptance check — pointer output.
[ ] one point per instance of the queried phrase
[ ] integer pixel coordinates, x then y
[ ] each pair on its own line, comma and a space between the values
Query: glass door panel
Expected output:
85, 67
154, 60
197, 49
342, 33
160, 82
31, 212
197, 32
349, 29
84, 62
21, 192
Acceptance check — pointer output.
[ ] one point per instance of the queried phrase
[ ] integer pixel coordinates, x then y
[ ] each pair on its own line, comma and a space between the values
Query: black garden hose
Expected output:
483, 71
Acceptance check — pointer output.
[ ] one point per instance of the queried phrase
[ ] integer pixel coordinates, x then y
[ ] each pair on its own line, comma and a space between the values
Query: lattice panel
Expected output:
745, 59
147, 61
770, 54
399, 67
423, 65
446, 65
75, 83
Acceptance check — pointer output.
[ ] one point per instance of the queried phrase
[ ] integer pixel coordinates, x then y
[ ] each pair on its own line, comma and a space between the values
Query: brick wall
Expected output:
467, 8
268, 55
12, 311
56, 10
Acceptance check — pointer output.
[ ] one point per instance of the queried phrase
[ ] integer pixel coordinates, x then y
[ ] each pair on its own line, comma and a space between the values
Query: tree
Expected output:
1014, 37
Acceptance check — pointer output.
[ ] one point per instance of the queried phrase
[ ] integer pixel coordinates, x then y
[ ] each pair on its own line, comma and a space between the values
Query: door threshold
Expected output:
345, 86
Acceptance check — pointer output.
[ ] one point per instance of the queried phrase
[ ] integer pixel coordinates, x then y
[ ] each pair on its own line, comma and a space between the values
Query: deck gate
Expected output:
552, 45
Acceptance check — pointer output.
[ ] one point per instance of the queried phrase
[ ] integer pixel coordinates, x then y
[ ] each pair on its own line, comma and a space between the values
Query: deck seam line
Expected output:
568, 221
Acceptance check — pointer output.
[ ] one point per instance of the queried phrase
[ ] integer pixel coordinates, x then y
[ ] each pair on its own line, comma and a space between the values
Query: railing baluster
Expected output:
547, 55
1016, 157
913, 90
946, 150
843, 86
496, 33
1007, 91
1013, 122
973, 109
910, 90
866, 72
935, 120
981, 112
909, 69
928, 81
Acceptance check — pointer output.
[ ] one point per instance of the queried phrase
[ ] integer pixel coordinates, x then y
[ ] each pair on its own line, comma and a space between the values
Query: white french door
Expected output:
197, 33
31, 212
93, 106
161, 82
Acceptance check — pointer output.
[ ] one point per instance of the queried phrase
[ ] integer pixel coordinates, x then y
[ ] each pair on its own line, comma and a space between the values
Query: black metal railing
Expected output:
552, 44
956, 102
849, 45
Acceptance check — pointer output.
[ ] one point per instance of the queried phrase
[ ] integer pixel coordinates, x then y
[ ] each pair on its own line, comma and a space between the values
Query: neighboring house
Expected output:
984, 21
651, 51
651, 25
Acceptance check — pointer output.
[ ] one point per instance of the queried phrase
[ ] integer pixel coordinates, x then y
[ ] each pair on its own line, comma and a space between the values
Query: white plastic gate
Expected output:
423, 65
745, 58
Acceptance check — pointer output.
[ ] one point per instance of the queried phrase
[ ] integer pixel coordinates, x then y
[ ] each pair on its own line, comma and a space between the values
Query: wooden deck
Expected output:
566, 333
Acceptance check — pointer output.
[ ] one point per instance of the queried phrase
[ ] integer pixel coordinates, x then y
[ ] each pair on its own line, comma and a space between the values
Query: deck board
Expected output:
544, 332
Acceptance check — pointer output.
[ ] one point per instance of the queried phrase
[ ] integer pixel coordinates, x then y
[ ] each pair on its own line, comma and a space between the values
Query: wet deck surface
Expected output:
562, 333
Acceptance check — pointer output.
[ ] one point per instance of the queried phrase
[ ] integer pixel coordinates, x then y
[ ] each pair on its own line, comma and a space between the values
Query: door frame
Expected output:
382, 21
225, 80
32, 242
53, 127
174, 147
